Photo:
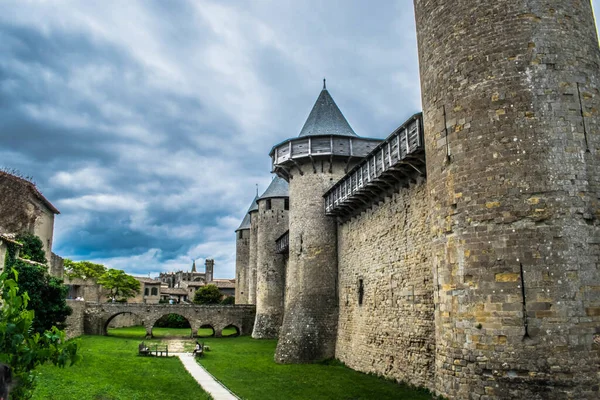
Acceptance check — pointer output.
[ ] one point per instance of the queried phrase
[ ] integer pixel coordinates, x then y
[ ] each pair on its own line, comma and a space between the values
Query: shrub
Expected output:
228, 300
172, 321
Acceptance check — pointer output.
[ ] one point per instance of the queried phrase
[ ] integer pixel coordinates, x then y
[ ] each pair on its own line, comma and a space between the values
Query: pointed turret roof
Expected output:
326, 118
254, 206
277, 188
194, 266
246, 221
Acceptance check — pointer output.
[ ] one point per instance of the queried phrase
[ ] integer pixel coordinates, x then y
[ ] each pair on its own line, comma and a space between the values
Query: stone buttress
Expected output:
324, 151
273, 206
510, 100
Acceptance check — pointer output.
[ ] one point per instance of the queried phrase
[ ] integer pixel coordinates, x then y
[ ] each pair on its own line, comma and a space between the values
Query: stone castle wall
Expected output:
511, 106
241, 265
392, 333
309, 328
74, 322
270, 266
252, 255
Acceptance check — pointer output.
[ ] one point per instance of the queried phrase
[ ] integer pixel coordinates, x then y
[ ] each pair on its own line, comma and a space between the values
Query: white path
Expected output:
206, 380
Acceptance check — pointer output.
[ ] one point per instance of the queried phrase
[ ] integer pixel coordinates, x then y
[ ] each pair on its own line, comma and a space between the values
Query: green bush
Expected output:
228, 300
172, 321
208, 294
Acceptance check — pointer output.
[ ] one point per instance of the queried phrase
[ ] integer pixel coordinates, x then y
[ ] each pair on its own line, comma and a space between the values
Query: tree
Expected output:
46, 294
118, 283
33, 248
20, 346
83, 269
208, 294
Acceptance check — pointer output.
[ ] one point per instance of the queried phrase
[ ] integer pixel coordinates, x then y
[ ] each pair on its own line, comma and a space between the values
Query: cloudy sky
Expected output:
149, 123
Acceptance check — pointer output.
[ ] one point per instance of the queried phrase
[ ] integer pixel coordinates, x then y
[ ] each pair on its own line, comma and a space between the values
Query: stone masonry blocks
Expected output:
510, 93
270, 268
309, 325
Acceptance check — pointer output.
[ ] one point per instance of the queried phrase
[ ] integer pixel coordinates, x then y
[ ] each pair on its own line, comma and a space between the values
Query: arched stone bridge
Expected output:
97, 316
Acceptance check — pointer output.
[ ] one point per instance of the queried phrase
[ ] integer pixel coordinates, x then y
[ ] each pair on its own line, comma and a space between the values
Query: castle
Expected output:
461, 253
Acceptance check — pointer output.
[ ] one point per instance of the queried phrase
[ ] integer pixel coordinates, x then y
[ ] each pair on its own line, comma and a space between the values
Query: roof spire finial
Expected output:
257, 189
324, 86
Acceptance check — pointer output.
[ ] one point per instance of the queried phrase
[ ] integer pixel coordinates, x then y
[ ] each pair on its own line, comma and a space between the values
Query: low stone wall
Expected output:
75, 320
384, 253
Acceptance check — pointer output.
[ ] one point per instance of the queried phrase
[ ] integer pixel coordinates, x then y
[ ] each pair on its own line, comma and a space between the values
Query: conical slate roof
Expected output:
277, 188
326, 118
254, 206
246, 221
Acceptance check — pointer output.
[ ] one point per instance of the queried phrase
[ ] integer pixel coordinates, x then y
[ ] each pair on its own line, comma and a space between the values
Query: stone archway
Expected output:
107, 321
151, 325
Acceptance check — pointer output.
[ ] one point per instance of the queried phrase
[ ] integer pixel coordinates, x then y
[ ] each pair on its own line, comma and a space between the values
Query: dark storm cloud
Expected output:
148, 123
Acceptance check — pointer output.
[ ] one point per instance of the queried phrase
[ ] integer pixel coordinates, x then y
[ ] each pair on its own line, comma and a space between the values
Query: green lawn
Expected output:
247, 368
112, 370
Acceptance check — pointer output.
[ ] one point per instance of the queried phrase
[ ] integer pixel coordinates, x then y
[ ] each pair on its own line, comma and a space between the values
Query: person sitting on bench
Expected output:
198, 349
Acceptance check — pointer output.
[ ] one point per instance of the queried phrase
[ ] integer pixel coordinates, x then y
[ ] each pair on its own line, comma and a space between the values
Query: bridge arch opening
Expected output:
171, 325
206, 330
121, 323
230, 331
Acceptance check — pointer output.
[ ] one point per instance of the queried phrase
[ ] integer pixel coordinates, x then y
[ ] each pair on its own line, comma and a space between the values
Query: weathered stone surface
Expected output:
511, 100
270, 268
309, 325
242, 254
392, 332
252, 255
74, 322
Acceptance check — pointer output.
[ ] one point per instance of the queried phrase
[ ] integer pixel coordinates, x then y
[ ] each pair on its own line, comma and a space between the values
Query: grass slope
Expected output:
112, 370
247, 368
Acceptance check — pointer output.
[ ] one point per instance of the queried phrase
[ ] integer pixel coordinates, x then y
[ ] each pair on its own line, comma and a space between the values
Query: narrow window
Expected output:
361, 292
155, 290
268, 204
146, 292
239, 234
286, 204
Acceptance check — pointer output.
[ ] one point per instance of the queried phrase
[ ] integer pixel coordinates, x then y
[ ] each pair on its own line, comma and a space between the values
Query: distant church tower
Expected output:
242, 257
210, 266
312, 162
511, 103
272, 219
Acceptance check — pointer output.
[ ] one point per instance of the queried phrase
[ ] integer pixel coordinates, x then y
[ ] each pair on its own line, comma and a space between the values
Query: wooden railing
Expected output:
282, 244
395, 161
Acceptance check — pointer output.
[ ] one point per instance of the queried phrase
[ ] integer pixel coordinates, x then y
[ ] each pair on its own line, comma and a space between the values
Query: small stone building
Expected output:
23, 208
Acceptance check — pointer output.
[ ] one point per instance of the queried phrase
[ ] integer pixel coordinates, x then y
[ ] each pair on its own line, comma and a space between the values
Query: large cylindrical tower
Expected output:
312, 163
252, 251
242, 259
510, 94
273, 206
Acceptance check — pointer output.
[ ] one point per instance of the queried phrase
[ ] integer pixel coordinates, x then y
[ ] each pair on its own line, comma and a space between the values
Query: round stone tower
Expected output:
272, 220
510, 93
323, 152
242, 258
252, 251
